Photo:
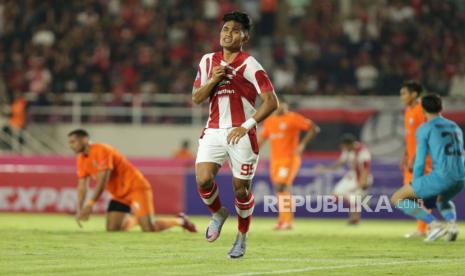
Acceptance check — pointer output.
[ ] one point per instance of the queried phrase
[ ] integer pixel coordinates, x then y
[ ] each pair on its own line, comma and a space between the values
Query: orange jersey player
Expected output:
283, 130
413, 118
130, 191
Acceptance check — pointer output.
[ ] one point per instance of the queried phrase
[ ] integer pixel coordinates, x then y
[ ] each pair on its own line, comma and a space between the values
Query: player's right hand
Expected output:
219, 72
77, 218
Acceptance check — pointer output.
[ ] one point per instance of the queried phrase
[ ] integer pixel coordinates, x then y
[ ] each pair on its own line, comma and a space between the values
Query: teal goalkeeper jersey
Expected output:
443, 140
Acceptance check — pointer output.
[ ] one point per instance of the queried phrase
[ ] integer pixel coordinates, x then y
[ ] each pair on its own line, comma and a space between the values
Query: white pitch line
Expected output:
312, 268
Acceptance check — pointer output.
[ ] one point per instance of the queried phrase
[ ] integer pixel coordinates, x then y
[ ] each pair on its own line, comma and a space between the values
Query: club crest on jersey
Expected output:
224, 82
282, 126
411, 121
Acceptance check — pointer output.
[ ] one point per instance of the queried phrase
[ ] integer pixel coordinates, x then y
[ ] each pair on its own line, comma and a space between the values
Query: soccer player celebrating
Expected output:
283, 130
443, 140
358, 179
413, 118
129, 189
231, 80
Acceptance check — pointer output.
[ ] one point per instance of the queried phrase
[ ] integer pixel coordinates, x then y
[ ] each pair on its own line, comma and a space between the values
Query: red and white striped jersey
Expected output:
233, 99
356, 159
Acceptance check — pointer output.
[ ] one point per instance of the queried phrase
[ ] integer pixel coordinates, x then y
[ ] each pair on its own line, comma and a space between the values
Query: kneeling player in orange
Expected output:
131, 192
283, 130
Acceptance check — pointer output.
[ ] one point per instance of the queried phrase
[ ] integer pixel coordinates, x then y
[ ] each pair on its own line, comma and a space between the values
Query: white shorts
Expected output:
348, 185
242, 157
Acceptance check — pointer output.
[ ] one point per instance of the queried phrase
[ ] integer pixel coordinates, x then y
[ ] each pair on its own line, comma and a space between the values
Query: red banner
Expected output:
39, 188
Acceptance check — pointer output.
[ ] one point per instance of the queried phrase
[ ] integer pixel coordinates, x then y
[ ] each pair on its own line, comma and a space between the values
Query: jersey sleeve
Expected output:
422, 150
81, 170
104, 159
256, 75
202, 71
302, 123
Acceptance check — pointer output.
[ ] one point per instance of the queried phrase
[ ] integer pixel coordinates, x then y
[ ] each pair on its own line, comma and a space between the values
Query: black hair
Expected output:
431, 103
79, 133
348, 139
413, 86
240, 17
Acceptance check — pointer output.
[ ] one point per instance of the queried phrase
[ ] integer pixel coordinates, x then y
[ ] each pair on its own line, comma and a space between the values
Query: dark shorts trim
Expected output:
116, 206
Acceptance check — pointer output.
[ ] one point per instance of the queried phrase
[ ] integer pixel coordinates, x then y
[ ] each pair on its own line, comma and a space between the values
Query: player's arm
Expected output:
309, 136
268, 105
421, 152
82, 192
102, 180
364, 174
199, 95
363, 179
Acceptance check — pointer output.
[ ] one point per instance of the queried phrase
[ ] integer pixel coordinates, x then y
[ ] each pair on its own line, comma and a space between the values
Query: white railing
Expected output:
81, 108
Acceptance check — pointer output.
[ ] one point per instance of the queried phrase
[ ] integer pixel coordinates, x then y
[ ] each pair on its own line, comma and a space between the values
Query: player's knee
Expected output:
204, 179
114, 228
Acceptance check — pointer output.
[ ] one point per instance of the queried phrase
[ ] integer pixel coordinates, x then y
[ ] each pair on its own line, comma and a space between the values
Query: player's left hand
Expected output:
84, 213
235, 135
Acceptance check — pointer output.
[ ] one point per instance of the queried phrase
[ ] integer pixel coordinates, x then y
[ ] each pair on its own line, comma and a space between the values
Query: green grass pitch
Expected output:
33, 244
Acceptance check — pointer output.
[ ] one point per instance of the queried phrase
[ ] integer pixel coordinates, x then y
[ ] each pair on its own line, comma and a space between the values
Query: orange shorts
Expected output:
284, 171
140, 201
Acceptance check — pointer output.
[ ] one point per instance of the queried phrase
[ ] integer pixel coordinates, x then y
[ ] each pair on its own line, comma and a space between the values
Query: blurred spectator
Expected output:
457, 86
309, 46
283, 78
38, 76
3, 92
17, 122
18, 112
367, 75
269, 8
43, 37
184, 152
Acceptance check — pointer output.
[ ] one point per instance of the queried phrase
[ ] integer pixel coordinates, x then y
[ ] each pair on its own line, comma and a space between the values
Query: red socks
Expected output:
244, 209
211, 198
